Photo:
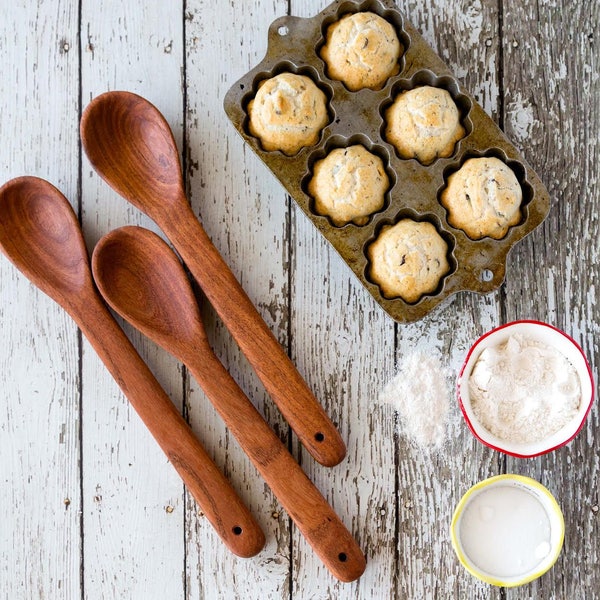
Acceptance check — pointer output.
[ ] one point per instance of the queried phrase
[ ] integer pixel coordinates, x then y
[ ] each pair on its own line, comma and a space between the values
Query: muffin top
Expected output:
424, 123
483, 198
408, 259
349, 184
288, 112
361, 50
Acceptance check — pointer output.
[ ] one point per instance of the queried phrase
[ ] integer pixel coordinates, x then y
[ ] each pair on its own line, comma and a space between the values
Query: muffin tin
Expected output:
476, 265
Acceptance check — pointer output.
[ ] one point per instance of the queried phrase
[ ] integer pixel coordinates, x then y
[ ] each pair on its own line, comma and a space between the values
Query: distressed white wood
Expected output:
40, 541
132, 498
245, 212
344, 346
556, 125
465, 35
533, 66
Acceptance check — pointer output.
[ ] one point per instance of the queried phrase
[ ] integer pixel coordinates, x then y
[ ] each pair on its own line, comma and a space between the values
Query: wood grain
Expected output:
551, 111
40, 234
344, 345
244, 212
465, 35
133, 519
40, 385
131, 263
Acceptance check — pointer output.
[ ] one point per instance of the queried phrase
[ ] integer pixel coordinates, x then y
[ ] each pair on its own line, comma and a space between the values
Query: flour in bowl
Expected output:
523, 390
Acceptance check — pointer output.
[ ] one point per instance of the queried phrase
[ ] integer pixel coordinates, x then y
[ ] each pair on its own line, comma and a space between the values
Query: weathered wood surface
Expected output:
92, 508
133, 517
552, 112
40, 450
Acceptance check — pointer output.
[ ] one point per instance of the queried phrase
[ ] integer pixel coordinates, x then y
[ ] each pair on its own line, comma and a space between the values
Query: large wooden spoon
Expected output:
131, 146
142, 279
40, 235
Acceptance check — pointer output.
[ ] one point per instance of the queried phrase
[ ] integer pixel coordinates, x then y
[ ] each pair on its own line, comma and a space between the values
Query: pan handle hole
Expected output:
486, 275
342, 557
237, 530
319, 437
283, 30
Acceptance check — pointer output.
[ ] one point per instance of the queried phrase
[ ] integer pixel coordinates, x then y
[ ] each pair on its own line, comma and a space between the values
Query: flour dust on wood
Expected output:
419, 394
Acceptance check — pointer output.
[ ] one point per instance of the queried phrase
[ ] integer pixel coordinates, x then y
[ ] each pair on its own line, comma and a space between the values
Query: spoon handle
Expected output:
278, 374
215, 496
303, 502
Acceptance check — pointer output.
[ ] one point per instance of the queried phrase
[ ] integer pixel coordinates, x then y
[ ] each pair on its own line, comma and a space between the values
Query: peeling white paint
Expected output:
519, 119
470, 22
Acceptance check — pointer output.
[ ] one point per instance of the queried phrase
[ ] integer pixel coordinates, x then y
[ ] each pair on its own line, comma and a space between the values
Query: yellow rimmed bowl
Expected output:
465, 550
547, 334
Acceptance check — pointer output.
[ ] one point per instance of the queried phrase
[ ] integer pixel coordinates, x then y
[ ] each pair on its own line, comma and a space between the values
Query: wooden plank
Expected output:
344, 345
245, 213
40, 537
465, 35
132, 498
552, 112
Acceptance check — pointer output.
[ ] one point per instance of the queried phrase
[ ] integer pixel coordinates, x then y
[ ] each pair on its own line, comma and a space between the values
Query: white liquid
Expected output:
505, 531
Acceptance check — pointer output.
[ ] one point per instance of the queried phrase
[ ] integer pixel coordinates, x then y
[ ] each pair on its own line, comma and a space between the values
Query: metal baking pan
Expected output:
357, 117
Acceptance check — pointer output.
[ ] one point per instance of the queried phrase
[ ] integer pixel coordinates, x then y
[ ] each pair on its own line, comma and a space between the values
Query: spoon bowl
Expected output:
39, 233
134, 272
131, 146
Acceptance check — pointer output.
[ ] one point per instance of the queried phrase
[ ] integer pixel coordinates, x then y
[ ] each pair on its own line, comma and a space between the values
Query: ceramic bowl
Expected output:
548, 335
506, 531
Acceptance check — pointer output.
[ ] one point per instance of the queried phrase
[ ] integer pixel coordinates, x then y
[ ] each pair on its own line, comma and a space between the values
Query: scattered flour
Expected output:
419, 394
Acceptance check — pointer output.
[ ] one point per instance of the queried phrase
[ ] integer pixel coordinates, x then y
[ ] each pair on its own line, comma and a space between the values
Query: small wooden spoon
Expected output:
142, 279
131, 146
40, 235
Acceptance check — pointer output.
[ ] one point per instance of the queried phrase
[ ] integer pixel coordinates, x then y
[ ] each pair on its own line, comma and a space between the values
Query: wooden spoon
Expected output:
142, 279
131, 146
40, 235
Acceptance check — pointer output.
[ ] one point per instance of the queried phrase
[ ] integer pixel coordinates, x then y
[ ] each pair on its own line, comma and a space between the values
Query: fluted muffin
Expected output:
349, 184
288, 112
408, 260
361, 50
424, 123
483, 198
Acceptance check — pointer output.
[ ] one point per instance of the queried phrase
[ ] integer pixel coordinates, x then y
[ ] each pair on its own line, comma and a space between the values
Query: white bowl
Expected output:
551, 336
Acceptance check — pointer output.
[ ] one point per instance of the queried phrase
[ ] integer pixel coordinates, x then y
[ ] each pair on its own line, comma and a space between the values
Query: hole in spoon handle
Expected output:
347, 564
324, 442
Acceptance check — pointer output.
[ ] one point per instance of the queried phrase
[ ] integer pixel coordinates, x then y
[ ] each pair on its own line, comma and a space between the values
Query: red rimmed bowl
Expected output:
553, 337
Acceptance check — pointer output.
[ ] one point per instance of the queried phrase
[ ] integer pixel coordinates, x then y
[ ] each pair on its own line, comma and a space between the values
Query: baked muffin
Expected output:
362, 51
348, 185
408, 259
288, 112
483, 198
424, 123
